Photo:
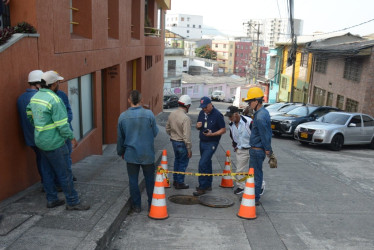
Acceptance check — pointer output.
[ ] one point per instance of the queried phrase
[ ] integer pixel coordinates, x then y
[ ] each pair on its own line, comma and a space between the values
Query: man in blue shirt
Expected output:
260, 139
135, 143
211, 124
34, 80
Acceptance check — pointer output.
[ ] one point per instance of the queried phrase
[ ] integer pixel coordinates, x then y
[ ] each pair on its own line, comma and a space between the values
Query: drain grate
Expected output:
184, 199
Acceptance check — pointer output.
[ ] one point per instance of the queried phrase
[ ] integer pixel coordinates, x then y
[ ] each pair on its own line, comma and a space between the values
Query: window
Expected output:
284, 83
193, 26
352, 69
184, 63
351, 105
216, 45
188, 31
304, 60
224, 46
368, 121
230, 54
208, 64
232, 91
340, 102
182, 19
81, 102
330, 96
188, 25
356, 120
172, 67
188, 19
175, 83
231, 46
81, 18
196, 89
148, 62
238, 46
319, 96
199, 26
113, 21
321, 64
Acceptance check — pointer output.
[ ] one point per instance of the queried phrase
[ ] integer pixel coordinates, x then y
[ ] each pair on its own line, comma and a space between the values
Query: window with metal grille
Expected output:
148, 62
351, 105
340, 101
352, 69
284, 83
321, 64
304, 60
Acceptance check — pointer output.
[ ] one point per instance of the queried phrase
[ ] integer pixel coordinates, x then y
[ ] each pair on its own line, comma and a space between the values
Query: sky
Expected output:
318, 15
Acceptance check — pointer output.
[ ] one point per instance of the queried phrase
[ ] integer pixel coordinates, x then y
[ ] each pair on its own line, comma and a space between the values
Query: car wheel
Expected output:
372, 143
337, 142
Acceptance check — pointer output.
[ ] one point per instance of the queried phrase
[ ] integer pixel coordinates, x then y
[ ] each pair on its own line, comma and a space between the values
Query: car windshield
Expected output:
334, 118
288, 108
274, 106
166, 97
302, 111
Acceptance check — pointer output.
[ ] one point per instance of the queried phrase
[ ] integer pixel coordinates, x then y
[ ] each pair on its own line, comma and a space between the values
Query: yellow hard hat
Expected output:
254, 93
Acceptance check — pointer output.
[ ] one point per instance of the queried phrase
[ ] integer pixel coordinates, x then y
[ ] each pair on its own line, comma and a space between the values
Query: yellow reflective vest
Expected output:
47, 112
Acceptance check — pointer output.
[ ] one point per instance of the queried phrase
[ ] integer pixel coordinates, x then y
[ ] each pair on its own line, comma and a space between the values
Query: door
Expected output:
354, 134
368, 128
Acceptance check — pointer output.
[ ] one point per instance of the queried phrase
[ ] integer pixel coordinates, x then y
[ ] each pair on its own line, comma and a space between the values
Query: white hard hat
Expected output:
35, 76
184, 100
50, 77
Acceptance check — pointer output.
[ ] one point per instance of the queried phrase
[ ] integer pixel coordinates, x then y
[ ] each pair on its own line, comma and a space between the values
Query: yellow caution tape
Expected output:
233, 175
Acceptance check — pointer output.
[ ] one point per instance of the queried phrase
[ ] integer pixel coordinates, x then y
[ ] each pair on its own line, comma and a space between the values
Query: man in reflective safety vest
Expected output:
48, 115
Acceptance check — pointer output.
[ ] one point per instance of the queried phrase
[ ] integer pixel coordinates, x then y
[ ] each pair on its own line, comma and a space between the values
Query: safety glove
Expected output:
273, 161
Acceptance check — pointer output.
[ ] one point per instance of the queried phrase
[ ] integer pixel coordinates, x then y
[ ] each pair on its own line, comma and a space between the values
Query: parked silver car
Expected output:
337, 129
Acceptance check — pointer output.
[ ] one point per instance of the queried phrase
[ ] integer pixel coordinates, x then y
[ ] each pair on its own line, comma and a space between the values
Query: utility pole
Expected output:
249, 31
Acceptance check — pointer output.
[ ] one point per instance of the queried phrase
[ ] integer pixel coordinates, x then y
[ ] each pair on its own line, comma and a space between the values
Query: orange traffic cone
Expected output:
247, 208
158, 209
227, 180
164, 165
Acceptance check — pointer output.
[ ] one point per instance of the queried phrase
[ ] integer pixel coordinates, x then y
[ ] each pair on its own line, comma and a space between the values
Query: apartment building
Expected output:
272, 30
103, 49
188, 26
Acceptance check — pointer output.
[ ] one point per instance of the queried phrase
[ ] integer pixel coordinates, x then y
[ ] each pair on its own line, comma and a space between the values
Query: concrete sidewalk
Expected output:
26, 223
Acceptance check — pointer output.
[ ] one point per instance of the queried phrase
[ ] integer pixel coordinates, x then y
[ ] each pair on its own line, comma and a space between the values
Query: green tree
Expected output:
206, 51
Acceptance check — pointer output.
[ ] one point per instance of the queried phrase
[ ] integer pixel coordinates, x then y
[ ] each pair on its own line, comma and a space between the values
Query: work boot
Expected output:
199, 192
182, 186
207, 189
257, 203
55, 203
79, 207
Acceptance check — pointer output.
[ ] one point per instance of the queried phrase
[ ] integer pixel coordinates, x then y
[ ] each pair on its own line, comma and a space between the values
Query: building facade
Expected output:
343, 75
273, 63
188, 26
103, 49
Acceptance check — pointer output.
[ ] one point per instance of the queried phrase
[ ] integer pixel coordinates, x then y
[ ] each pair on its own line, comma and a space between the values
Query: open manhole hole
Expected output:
184, 199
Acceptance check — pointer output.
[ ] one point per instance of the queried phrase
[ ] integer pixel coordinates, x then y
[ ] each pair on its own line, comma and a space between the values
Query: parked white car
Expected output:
218, 95
337, 129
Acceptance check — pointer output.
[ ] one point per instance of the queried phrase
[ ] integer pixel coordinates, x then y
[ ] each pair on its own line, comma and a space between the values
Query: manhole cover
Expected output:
184, 199
215, 201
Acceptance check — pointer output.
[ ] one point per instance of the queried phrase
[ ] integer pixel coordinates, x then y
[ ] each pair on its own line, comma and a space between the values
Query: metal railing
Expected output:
151, 31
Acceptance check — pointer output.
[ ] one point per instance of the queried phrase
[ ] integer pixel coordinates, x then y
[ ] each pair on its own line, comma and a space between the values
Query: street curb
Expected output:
104, 231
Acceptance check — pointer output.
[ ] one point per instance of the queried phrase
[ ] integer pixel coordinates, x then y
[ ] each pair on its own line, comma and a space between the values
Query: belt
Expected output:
246, 148
257, 148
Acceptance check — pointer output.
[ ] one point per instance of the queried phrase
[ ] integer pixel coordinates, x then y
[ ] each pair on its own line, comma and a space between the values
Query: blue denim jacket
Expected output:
27, 127
136, 132
261, 130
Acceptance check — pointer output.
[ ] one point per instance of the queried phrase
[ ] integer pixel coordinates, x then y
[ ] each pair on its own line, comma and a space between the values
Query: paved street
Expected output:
316, 199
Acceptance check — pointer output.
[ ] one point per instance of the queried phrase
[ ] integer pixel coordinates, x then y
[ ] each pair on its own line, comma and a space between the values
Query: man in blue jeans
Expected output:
260, 139
178, 127
135, 143
211, 124
47, 113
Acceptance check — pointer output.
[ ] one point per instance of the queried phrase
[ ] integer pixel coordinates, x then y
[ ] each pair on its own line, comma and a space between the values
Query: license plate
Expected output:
272, 126
304, 135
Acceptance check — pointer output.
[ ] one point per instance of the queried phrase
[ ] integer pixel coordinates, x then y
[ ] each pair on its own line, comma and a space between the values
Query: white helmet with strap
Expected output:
185, 100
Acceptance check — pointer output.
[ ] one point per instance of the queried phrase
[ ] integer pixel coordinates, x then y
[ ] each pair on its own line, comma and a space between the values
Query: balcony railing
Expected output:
151, 31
